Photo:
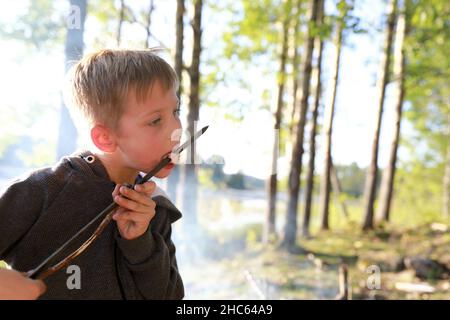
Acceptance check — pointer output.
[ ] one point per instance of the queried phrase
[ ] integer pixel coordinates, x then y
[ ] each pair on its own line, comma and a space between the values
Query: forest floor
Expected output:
390, 263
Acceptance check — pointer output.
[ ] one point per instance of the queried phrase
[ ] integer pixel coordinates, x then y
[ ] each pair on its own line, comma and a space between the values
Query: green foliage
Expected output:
41, 27
211, 174
39, 156
255, 30
218, 176
352, 179
6, 140
236, 181
419, 182
428, 71
418, 191
15, 124
106, 14
344, 17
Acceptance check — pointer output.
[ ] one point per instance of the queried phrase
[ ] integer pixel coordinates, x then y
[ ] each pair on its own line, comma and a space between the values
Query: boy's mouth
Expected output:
173, 158
167, 155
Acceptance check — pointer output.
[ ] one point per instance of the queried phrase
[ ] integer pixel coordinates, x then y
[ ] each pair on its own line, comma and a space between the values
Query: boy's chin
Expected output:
163, 173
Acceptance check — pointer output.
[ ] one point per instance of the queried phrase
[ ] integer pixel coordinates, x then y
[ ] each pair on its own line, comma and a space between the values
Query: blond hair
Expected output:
100, 82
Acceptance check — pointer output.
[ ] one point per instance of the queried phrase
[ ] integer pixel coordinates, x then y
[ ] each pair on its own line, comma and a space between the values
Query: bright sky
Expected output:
26, 80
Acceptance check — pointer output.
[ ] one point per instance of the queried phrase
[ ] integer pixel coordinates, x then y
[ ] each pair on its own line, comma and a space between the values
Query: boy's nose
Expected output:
176, 133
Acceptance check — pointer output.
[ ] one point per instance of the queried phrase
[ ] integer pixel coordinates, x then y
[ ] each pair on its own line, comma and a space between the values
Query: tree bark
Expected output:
67, 133
337, 189
269, 226
179, 44
387, 184
295, 66
121, 20
174, 177
290, 228
343, 283
325, 186
446, 179
148, 23
190, 169
371, 180
312, 133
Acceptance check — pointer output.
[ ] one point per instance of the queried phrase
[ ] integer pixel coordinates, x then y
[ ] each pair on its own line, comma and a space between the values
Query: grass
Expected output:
236, 246
371, 249
281, 275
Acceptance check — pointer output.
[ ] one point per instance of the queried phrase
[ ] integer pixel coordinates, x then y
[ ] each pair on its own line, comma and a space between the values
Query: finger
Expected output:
132, 216
134, 206
126, 221
136, 196
41, 286
140, 198
35, 288
148, 187
116, 190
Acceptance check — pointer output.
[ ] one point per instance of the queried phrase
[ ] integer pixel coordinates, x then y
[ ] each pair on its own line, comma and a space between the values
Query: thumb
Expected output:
41, 286
116, 190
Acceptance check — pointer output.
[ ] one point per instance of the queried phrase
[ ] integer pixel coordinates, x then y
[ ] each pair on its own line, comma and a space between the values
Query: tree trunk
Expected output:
343, 283
329, 114
312, 134
174, 177
190, 169
446, 179
290, 228
179, 44
269, 227
337, 189
121, 19
295, 66
371, 180
148, 23
387, 184
67, 133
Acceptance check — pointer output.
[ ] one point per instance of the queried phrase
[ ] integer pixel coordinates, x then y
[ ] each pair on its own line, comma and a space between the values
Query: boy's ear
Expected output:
103, 138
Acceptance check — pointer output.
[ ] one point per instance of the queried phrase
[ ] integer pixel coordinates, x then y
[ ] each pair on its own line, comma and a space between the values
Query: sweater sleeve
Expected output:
152, 263
20, 206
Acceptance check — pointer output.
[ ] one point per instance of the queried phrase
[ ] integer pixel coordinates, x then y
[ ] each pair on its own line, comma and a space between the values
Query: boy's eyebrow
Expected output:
152, 112
158, 110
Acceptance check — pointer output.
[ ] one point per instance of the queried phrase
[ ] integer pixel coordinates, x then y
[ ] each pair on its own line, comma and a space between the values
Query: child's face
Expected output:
149, 130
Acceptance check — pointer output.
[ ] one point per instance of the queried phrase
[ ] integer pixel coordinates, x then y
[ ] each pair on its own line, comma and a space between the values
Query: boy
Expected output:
129, 101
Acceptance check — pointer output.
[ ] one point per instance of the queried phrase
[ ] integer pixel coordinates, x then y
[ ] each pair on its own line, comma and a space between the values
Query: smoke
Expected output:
204, 249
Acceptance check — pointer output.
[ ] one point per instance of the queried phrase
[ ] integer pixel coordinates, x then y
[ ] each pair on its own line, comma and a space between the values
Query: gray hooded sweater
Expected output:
42, 210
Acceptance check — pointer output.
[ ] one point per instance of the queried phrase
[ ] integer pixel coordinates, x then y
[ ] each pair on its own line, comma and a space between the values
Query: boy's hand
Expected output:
15, 286
135, 213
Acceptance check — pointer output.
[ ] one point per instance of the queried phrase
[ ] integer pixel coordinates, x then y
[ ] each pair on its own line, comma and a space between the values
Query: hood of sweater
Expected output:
89, 165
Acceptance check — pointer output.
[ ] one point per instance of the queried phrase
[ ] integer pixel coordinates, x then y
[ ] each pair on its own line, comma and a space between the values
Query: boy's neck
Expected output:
116, 171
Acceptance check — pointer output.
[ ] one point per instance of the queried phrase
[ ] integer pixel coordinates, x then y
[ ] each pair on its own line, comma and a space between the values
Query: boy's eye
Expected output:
176, 112
155, 122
